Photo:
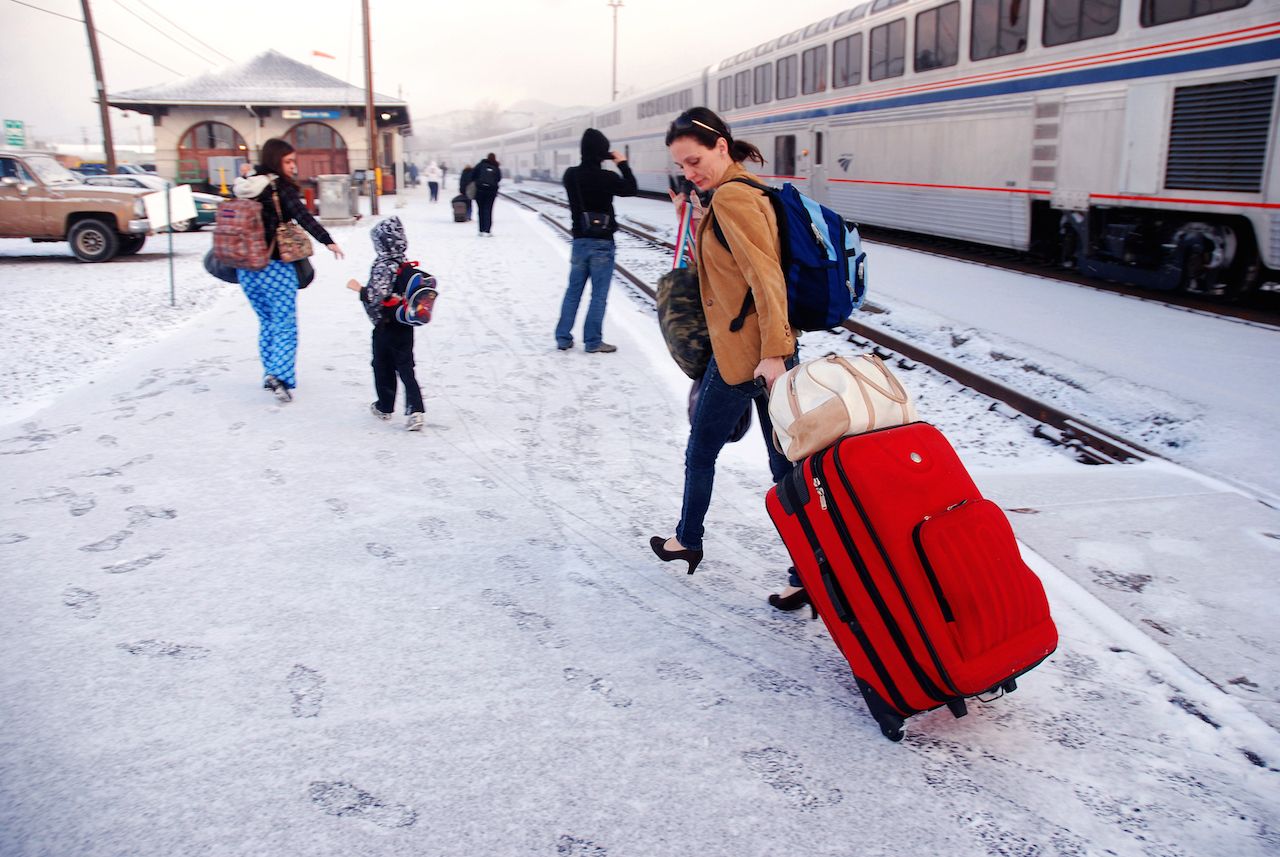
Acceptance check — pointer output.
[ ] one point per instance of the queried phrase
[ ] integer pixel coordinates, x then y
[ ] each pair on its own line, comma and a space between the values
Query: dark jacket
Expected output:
265, 188
389, 245
464, 179
591, 187
479, 171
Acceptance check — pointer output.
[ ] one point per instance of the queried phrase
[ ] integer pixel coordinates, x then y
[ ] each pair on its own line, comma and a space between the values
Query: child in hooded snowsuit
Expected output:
392, 341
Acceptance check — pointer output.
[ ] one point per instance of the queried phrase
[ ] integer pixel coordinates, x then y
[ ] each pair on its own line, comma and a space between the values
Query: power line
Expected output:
100, 33
187, 33
154, 27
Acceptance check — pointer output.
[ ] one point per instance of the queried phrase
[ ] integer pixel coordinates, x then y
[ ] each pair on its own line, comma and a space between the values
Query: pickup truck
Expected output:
40, 199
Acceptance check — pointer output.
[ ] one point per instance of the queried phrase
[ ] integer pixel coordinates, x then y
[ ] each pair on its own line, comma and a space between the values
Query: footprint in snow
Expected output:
600, 686
574, 846
275, 445
134, 564
307, 688
382, 551
346, 801
82, 601
108, 440
275, 477
12, 538
782, 771
110, 543
141, 514
338, 507
164, 649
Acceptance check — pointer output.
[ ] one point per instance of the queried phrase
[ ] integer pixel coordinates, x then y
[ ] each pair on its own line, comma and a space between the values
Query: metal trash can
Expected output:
334, 203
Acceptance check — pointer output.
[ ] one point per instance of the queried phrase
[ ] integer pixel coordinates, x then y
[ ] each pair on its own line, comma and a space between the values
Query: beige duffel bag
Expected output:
820, 401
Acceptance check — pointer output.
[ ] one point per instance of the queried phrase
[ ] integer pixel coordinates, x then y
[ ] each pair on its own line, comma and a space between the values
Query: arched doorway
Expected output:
321, 150
204, 141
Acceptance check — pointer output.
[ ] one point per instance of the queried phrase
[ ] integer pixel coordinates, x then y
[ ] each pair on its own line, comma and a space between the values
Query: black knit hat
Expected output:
595, 145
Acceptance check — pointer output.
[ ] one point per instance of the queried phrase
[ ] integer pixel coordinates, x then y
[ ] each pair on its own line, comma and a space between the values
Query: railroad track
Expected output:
1090, 443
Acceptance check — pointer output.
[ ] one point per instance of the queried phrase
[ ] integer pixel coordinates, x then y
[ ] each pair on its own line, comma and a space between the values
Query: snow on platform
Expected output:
233, 627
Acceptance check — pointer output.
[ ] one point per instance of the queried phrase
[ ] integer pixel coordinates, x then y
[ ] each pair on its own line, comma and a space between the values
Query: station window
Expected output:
846, 61
888, 50
814, 70
1068, 21
725, 93
742, 89
784, 155
1157, 12
764, 83
786, 87
938, 37
999, 28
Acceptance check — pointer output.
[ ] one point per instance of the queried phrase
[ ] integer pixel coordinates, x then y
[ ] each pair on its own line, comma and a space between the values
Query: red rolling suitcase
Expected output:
917, 577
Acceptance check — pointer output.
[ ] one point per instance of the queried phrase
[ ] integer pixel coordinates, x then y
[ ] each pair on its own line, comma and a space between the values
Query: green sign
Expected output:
14, 134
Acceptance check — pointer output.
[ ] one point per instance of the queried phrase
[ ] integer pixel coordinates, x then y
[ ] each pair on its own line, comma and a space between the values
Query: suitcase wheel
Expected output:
894, 735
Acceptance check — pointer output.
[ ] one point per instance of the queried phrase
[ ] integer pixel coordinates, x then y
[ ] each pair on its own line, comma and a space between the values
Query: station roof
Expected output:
268, 79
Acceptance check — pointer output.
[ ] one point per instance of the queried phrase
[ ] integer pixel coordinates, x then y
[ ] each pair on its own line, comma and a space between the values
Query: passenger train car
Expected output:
1133, 139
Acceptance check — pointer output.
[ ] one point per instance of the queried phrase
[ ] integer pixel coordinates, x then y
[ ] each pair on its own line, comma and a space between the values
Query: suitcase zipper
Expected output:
926, 683
822, 494
947, 615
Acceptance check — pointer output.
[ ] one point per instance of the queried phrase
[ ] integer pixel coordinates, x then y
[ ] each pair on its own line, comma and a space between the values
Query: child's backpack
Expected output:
418, 290
822, 260
238, 240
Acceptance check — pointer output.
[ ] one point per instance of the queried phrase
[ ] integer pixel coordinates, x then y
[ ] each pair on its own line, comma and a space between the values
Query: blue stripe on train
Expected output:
1234, 55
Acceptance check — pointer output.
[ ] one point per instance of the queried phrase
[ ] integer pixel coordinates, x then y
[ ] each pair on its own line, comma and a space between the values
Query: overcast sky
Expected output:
438, 56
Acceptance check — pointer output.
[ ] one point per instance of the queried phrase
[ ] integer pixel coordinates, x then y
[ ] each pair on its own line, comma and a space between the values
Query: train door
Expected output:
816, 162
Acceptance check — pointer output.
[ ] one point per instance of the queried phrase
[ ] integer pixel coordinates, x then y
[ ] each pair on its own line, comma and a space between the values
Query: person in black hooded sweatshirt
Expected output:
591, 189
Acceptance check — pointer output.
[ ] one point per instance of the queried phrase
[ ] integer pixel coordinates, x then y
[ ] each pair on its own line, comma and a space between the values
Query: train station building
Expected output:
232, 112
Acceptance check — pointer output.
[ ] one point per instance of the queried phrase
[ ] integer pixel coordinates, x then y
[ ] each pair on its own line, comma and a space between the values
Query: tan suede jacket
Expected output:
749, 224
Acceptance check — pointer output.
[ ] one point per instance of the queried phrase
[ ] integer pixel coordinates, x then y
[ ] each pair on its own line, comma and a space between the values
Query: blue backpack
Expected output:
419, 291
822, 260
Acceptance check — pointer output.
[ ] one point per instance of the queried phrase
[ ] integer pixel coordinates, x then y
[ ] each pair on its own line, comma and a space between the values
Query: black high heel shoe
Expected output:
693, 557
794, 601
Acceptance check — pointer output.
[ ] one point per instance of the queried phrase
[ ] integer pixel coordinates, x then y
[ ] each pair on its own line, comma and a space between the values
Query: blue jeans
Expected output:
720, 406
594, 257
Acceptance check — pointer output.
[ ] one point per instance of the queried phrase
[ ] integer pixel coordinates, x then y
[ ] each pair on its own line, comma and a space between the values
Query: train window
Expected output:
764, 83
817, 149
813, 77
888, 50
1157, 12
786, 78
999, 28
881, 5
852, 15
725, 100
1076, 20
846, 61
938, 37
742, 89
784, 155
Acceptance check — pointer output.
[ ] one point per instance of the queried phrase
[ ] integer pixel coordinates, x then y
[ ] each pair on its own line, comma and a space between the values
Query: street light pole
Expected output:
369, 116
615, 5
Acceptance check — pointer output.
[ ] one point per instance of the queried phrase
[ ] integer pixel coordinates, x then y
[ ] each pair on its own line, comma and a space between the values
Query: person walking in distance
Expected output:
434, 177
745, 362
486, 175
273, 291
591, 189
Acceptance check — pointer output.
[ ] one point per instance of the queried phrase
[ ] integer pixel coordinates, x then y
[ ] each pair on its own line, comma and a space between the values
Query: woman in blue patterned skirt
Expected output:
273, 291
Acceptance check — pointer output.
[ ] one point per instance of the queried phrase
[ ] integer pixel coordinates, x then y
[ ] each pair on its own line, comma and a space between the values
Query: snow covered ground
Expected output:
234, 627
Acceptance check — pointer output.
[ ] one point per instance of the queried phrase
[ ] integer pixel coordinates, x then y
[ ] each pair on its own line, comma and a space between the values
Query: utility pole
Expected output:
103, 110
615, 5
369, 116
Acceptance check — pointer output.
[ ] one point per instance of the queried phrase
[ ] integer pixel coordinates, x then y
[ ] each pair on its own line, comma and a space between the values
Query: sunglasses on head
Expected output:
682, 122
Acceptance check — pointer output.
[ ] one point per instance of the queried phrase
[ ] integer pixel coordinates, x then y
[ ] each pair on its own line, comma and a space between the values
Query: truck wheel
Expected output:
130, 244
93, 241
